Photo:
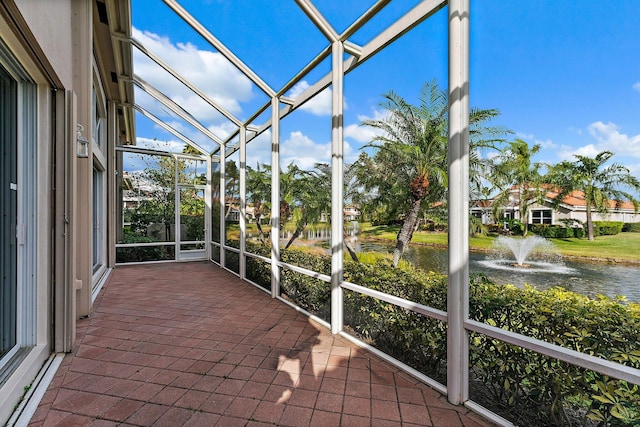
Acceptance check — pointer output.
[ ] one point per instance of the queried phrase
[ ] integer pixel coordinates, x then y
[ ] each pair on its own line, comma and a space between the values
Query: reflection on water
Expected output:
584, 278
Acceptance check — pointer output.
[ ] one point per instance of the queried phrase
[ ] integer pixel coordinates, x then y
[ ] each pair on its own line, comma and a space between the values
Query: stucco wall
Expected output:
50, 21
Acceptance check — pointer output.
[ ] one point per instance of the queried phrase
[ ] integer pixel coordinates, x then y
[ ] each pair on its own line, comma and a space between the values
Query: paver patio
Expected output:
191, 344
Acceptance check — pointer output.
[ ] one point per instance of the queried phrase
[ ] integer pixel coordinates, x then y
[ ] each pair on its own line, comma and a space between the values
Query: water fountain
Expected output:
521, 248
528, 255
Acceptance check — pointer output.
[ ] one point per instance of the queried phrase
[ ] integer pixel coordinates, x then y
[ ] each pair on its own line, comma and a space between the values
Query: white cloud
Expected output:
223, 130
365, 134
259, 149
575, 130
319, 105
636, 86
634, 170
303, 151
209, 71
568, 153
610, 138
524, 136
359, 133
546, 144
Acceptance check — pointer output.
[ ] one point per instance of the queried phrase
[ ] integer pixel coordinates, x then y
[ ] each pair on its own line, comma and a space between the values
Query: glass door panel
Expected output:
8, 216
191, 224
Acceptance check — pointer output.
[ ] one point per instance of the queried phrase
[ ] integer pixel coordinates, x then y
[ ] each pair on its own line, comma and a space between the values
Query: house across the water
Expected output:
546, 211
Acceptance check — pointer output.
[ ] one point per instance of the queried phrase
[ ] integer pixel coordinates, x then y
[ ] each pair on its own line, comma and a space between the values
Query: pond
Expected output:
586, 278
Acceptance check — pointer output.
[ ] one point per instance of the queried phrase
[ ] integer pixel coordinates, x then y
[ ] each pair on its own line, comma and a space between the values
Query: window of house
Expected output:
541, 216
8, 212
98, 116
99, 190
18, 204
99, 214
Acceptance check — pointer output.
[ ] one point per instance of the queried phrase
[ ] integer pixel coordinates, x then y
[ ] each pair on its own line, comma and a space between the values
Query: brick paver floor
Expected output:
189, 344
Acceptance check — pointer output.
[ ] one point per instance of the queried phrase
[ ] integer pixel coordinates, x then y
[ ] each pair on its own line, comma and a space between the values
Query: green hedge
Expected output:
141, 253
536, 390
553, 231
600, 228
631, 227
523, 386
607, 228
307, 292
579, 232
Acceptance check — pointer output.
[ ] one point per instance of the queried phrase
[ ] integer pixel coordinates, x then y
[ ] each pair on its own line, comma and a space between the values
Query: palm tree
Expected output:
514, 167
302, 198
232, 185
409, 167
259, 194
600, 184
323, 174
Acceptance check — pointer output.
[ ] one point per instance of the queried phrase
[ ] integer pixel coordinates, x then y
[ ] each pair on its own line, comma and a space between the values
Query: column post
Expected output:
337, 186
458, 282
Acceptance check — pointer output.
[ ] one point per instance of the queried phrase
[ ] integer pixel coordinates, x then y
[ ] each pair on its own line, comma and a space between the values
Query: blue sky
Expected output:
564, 74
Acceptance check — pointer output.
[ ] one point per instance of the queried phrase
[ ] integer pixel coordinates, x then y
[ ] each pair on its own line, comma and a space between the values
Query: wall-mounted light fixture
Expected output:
82, 143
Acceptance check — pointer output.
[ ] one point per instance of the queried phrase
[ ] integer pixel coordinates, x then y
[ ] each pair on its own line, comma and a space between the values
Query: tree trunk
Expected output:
406, 232
590, 233
260, 232
352, 253
524, 213
296, 234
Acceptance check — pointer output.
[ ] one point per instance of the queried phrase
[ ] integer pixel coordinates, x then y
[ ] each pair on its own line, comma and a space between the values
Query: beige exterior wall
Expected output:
580, 214
50, 21
13, 389
53, 41
82, 84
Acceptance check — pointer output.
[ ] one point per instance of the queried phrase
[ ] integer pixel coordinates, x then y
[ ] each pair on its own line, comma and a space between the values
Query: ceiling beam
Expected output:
174, 107
142, 48
220, 47
170, 129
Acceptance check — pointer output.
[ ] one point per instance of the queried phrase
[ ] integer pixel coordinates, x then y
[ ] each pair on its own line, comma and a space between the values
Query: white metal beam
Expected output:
410, 20
593, 363
174, 107
458, 283
243, 201
337, 187
177, 235
208, 223
220, 47
275, 199
363, 19
223, 204
318, 20
170, 129
155, 58
353, 49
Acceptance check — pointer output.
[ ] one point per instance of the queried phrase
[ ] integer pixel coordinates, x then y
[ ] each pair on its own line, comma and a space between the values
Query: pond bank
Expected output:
480, 250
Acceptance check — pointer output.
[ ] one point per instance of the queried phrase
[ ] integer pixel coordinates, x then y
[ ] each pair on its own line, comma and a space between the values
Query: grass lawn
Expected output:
621, 247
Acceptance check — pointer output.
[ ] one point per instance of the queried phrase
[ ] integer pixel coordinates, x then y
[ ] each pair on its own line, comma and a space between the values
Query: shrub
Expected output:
414, 339
607, 228
515, 226
142, 253
307, 292
256, 270
551, 231
631, 227
536, 390
579, 233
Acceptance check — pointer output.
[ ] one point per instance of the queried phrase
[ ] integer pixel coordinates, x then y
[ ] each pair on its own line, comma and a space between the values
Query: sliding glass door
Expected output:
8, 215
